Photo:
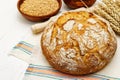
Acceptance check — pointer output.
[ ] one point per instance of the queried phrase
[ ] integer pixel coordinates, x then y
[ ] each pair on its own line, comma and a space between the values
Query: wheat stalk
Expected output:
111, 4
116, 29
105, 15
110, 12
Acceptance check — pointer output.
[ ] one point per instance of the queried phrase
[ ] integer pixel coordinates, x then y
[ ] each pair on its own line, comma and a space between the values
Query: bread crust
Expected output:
78, 43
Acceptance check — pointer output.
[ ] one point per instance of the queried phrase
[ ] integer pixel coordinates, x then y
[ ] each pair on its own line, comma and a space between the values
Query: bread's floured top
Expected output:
78, 43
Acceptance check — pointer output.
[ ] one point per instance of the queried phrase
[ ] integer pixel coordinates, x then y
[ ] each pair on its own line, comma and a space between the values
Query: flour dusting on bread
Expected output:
79, 43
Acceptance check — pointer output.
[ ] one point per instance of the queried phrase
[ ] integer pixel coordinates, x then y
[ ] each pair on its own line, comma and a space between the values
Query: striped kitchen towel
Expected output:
39, 69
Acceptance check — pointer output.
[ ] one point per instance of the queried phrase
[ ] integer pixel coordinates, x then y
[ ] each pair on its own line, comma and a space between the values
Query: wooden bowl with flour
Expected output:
38, 10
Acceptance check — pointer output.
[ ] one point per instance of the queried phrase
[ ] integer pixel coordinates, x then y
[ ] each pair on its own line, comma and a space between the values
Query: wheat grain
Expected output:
115, 28
115, 25
110, 12
112, 6
39, 7
106, 16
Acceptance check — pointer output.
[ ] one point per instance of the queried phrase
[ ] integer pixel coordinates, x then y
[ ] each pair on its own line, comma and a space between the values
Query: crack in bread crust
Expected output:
79, 43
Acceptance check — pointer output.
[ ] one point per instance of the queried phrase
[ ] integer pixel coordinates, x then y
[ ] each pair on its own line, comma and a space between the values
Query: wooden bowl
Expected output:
38, 18
77, 3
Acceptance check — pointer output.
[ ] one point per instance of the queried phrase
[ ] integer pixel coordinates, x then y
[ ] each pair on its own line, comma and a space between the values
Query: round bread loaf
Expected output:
78, 43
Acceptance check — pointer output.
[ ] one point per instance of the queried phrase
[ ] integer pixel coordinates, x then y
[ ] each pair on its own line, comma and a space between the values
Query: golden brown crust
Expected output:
78, 43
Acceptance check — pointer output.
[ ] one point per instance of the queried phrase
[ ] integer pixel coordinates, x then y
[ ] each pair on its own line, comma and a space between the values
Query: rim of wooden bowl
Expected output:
38, 18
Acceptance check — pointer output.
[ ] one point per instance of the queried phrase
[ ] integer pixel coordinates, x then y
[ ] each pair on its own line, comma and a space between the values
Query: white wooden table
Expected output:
13, 28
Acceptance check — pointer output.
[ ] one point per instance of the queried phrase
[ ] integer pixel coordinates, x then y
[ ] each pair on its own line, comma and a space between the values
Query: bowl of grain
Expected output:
38, 10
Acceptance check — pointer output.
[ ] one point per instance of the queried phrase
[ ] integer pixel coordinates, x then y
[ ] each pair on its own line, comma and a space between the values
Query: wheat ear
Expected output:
106, 16
110, 12
112, 6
